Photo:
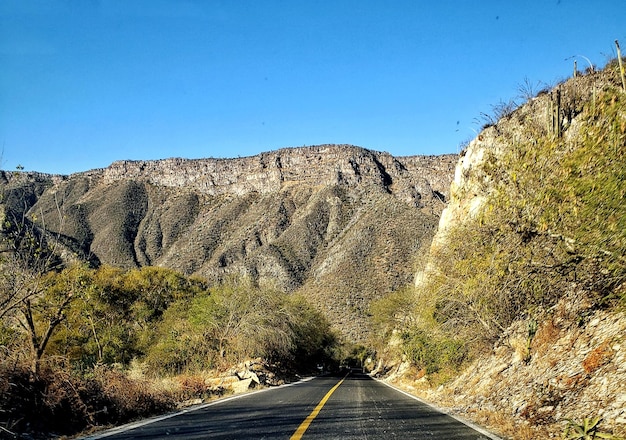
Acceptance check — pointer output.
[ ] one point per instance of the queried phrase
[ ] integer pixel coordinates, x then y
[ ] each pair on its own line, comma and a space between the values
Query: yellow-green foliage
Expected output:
236, 320
432, 352
391, 312
113, 320
108, 316
422, 343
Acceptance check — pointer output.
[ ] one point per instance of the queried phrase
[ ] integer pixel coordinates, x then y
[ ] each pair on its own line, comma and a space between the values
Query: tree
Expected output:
233, 315
308, 332
25, 256
28, 262
40, 316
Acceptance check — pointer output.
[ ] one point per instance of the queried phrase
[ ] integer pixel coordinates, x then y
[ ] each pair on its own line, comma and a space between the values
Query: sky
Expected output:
84, 83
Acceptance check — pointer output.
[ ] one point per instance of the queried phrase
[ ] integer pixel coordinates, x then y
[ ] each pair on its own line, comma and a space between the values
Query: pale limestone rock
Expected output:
242, 385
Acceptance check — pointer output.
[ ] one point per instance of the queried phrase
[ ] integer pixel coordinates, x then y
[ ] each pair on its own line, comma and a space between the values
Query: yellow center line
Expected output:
304, 425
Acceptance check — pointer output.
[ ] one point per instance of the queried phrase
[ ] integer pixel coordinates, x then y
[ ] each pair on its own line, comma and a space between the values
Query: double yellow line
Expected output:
305, 425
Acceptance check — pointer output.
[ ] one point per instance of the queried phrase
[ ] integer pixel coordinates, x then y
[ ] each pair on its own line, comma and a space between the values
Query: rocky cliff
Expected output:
336, 222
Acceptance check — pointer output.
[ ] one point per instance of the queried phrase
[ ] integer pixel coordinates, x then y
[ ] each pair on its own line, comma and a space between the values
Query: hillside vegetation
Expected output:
529, 253
84, 347
552, 214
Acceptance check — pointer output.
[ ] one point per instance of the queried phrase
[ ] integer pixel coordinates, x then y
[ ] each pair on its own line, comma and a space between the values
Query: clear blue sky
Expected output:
86, 82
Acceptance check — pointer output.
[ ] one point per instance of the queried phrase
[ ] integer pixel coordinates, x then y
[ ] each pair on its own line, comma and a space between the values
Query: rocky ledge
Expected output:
264, 173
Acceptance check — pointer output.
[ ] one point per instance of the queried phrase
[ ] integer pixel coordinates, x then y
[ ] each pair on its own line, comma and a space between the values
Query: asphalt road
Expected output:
358, 408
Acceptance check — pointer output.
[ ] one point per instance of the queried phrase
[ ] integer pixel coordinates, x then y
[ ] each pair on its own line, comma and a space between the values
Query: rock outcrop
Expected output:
324, 165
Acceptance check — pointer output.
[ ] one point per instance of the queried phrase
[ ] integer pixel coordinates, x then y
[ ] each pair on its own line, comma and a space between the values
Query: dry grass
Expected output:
598, 357
61, 402
194, 387
520, 346
504, 425
547, 334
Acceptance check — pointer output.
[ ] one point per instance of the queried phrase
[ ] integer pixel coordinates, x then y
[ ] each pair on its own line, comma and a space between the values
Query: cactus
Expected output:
554, 114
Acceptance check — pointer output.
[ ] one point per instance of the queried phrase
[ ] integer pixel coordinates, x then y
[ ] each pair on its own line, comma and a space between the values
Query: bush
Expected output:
230, 322
181, 345
129, 399
433, 354
563, 202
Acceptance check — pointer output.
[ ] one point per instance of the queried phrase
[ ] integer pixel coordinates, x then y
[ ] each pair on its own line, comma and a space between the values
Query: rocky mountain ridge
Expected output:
269, 171
338, 223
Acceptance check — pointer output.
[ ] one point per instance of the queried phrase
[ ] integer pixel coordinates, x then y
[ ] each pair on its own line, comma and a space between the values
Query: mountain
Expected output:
338, 223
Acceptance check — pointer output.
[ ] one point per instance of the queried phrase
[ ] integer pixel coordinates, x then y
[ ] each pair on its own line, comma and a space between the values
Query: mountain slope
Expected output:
526, 274
337, 222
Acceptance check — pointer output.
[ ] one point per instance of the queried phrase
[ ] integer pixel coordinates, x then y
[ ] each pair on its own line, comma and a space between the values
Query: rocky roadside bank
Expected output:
249, 375
570, 366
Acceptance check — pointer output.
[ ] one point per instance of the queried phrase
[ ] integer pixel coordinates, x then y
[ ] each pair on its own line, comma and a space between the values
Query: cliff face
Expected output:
336, 222
325, 165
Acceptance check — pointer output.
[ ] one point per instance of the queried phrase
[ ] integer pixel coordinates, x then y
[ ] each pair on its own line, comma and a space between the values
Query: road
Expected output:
350, 407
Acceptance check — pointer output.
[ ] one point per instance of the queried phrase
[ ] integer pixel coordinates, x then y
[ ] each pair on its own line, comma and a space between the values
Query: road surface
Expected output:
345, 407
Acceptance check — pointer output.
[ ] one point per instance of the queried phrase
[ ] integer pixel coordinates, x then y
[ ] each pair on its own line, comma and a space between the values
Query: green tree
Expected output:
116, 320
314, 342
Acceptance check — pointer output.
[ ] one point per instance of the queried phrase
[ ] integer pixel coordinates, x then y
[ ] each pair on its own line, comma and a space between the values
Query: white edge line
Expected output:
140, 423
483, 431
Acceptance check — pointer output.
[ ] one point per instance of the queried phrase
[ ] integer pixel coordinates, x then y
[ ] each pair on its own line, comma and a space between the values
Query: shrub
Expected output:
433, 353
230, 322
587, 430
